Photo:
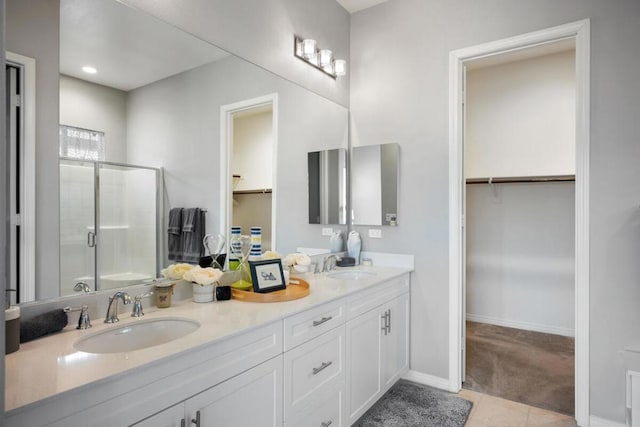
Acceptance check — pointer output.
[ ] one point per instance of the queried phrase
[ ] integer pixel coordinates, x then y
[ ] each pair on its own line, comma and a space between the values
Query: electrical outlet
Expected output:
375, 233
327, 231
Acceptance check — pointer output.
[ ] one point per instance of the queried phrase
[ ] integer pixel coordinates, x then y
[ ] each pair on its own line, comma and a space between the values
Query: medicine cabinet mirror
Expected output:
375, 184
328, 186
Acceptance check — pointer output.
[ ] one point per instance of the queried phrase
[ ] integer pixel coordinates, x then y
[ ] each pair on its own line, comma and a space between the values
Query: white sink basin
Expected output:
351, 274
137, 335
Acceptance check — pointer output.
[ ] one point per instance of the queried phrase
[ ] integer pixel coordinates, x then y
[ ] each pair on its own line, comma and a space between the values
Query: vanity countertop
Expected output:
49, 366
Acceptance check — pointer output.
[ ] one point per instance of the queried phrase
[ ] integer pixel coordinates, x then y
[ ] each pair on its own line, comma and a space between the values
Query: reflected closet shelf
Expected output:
518, 179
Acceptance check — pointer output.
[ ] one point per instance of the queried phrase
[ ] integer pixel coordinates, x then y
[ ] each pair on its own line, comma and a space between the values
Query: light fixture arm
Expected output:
321, 59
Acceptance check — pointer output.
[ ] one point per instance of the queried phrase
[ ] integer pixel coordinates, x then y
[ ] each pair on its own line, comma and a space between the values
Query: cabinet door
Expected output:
363, 362
253, 398
395, 343
170, 417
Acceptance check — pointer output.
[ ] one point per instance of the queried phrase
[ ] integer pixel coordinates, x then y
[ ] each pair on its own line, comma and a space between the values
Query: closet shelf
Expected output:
264, 191
516, 179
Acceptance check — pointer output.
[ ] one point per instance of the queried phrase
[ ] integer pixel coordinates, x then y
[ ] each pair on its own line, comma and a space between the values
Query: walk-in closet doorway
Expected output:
519, 226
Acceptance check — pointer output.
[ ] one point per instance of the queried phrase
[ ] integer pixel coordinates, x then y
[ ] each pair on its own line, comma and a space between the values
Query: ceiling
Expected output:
129, 49
356, 5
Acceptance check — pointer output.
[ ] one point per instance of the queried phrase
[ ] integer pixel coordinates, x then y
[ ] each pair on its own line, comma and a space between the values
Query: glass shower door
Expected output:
127, 214
77, 225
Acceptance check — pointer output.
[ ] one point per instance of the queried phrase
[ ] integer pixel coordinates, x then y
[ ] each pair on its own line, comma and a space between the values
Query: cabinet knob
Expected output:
326, 423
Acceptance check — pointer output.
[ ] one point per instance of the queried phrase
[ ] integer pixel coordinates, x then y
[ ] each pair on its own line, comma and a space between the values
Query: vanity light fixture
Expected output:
89, 69
322, 59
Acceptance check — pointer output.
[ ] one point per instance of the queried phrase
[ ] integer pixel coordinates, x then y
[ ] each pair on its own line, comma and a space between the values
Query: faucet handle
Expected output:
137, 304
84, 321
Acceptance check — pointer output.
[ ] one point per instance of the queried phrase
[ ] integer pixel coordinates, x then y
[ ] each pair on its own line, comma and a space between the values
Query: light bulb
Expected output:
326, 57
340, 67
308, 48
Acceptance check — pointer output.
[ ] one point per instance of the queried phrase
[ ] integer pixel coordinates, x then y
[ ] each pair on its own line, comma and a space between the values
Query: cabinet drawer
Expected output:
370, 299
328, 413
302, 327
313, 370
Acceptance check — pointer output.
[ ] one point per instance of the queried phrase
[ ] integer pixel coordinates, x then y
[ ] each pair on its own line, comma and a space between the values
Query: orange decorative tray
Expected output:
294, 291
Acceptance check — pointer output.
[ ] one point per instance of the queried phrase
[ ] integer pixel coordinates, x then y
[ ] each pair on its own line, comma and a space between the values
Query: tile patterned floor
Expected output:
489, 411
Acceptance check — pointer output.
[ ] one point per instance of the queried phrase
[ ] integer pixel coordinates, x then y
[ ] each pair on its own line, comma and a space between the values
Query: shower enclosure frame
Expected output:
159, 173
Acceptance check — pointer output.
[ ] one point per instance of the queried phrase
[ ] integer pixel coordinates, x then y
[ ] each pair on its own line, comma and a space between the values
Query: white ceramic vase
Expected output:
203, 293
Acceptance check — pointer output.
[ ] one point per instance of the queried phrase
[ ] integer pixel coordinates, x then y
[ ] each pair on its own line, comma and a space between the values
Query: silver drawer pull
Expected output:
322, 367
326, 423
321, 321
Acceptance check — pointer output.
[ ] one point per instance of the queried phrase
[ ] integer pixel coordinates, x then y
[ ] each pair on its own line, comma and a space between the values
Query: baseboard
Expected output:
426, 379
527, 326
601, 422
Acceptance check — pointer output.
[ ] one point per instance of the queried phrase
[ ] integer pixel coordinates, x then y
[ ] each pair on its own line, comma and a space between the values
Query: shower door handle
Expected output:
91, 239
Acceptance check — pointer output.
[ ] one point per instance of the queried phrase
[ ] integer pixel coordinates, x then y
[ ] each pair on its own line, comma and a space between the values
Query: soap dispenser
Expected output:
335, 242
354, 244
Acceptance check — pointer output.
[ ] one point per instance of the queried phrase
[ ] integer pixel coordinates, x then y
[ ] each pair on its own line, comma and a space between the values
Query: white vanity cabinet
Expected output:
314, 366
377, 345
253, 398
325, 364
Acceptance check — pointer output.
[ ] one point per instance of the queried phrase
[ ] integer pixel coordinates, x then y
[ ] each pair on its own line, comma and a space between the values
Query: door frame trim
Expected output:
580, 31
27, 67
226, 157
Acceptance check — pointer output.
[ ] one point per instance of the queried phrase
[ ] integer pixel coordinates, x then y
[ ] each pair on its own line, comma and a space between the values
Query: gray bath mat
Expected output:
409, 404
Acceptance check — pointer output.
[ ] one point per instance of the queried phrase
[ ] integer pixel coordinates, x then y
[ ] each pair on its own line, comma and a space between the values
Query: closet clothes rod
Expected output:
518, 179
265, 191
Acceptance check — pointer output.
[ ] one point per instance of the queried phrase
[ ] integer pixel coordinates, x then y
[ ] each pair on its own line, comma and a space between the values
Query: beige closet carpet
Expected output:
523, 366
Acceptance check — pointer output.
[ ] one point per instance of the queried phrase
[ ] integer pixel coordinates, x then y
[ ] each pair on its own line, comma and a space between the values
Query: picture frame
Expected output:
267, 275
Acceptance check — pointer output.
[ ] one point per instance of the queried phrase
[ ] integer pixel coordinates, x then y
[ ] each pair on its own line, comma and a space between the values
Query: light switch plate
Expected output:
327, 231
375, 233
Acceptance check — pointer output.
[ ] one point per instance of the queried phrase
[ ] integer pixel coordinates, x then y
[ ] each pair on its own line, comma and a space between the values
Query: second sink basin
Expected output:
350, 274
137, 335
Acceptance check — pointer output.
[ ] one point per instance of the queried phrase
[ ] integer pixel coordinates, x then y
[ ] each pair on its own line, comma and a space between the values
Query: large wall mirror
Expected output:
375, 184
151, 109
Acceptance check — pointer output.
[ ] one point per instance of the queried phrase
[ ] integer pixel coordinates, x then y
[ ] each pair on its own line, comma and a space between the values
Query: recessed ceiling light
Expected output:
89, 70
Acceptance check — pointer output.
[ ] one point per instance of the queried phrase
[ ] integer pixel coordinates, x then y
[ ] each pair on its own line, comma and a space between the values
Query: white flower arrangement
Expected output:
297, 259
271, 255
202, 276
192, 273
176, 271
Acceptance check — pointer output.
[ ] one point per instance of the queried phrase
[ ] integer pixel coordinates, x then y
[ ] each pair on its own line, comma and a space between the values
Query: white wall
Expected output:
261, 31
520, 255
253, 151
174, 123
520, 118
404, 98
96, 107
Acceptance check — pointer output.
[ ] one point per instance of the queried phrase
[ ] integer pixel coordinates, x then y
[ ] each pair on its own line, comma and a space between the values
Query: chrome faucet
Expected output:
329, 263
82, 287
112, 310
